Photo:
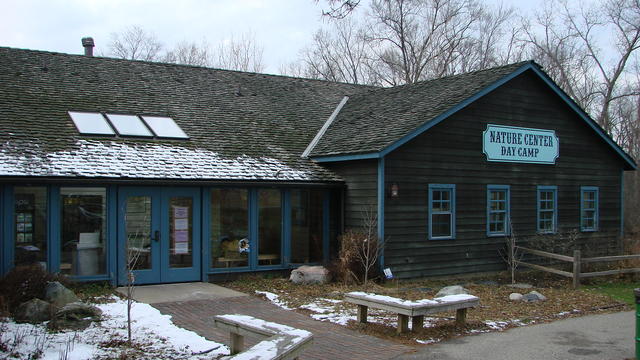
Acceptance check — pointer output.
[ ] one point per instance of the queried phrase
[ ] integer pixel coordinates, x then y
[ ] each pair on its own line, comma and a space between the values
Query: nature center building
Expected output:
205, 172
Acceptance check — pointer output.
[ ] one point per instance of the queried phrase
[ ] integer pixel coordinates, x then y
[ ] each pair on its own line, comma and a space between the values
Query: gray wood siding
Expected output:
361, 178
451, 153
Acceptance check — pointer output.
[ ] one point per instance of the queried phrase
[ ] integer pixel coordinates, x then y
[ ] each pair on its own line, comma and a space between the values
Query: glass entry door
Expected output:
159, 234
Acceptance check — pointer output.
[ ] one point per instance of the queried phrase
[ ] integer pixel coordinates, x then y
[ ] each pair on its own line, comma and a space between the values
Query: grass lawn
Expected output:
621, 291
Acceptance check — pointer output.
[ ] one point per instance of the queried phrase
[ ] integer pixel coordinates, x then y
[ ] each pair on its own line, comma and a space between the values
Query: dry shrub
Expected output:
24, 283
352, 262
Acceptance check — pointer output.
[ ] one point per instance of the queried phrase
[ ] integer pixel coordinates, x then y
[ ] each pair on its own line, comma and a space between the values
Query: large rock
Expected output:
515, 297
58, 295
310, 275
75, 316
534, 296
451, 290
33, 311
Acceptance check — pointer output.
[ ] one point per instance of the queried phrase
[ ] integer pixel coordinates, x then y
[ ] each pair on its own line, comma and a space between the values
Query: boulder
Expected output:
33, 311
58, 295
309, 275
515, 297
534, 296
75, 316
451, 290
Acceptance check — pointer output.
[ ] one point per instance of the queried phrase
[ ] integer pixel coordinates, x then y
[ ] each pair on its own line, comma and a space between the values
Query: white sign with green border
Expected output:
521, 145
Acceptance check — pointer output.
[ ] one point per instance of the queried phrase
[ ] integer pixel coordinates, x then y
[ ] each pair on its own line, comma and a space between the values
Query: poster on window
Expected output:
180, 230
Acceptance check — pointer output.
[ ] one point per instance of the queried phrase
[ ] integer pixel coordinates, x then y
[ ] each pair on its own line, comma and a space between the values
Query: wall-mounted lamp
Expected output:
394, 190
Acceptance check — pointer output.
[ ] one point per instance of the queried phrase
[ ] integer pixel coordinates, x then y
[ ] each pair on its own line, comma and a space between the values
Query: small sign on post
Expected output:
388, 274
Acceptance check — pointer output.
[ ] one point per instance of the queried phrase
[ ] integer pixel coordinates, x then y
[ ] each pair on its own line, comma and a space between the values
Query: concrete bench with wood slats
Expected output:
282, 342
414, 309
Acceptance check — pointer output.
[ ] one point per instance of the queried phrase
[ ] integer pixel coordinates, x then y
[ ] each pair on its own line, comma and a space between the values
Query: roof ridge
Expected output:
169, 64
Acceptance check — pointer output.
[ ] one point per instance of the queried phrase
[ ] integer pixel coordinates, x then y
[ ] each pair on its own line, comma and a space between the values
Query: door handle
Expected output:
156, 235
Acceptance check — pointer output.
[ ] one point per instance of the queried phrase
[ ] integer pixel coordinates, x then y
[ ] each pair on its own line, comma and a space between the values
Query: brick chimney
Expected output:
87, 43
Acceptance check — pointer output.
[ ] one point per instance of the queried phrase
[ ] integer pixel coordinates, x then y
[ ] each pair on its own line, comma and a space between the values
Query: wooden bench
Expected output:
282, 342
414, 309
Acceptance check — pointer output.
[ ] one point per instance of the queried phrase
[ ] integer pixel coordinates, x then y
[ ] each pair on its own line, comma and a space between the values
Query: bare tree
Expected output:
134, 43
189, 53
415, 40
567, 40
339, 54
339, 9
242, 54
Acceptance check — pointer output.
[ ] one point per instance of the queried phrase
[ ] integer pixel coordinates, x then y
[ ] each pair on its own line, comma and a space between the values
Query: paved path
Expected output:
604, 336
331, 341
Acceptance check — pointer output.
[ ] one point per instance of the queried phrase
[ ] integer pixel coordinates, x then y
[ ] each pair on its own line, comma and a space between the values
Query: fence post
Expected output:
637, 293
577, 259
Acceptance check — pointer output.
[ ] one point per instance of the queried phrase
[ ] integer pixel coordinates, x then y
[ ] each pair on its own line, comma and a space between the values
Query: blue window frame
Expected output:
498, 210
442, 211
589, 208
547, 219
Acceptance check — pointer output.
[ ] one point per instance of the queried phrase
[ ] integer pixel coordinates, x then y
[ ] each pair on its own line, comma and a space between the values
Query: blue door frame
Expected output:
160, 271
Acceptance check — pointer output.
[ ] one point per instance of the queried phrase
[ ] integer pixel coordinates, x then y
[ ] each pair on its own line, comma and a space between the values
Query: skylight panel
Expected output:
129, 125
91, 123
165, 127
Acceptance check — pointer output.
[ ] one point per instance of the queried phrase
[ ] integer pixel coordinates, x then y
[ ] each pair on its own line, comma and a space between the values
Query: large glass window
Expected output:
306, 225
588, 208
30, 225
138, 230
229, 228
269, 226
442, 211
498, 211
83, 250
547, 209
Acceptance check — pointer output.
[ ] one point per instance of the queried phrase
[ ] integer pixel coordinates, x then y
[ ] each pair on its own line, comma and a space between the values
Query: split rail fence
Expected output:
577, 261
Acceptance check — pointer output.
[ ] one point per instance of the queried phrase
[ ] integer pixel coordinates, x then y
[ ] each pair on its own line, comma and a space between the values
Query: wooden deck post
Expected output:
417, 322
461, 316
237, 343
362, 314
577, 259
403, 323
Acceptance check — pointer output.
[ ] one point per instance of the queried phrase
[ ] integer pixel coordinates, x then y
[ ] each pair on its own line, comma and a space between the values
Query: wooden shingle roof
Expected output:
242, 126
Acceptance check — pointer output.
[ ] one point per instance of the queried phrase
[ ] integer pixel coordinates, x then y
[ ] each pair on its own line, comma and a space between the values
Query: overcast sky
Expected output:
282, 27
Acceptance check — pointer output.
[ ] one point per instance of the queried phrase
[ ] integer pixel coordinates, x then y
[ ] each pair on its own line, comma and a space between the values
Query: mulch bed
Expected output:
496, 311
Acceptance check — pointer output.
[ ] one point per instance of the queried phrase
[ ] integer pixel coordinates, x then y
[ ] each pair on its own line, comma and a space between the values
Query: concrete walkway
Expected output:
196, 312
154, 294
604, 336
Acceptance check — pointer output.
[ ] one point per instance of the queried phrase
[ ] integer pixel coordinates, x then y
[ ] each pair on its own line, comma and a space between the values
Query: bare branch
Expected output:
134, 43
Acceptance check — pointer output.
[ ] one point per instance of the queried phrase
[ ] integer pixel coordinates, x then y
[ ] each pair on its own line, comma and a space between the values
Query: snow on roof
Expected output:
101, 159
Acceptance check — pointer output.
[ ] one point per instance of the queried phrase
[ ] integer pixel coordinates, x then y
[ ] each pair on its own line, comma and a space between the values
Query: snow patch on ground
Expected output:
159, 336
275, 299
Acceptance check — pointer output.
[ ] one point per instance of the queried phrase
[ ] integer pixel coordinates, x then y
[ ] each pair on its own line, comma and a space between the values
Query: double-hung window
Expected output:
547, 209
498, 210
442, 211
588, 208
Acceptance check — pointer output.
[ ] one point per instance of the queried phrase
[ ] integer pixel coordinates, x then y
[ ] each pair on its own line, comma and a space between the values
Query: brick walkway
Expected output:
331, 341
